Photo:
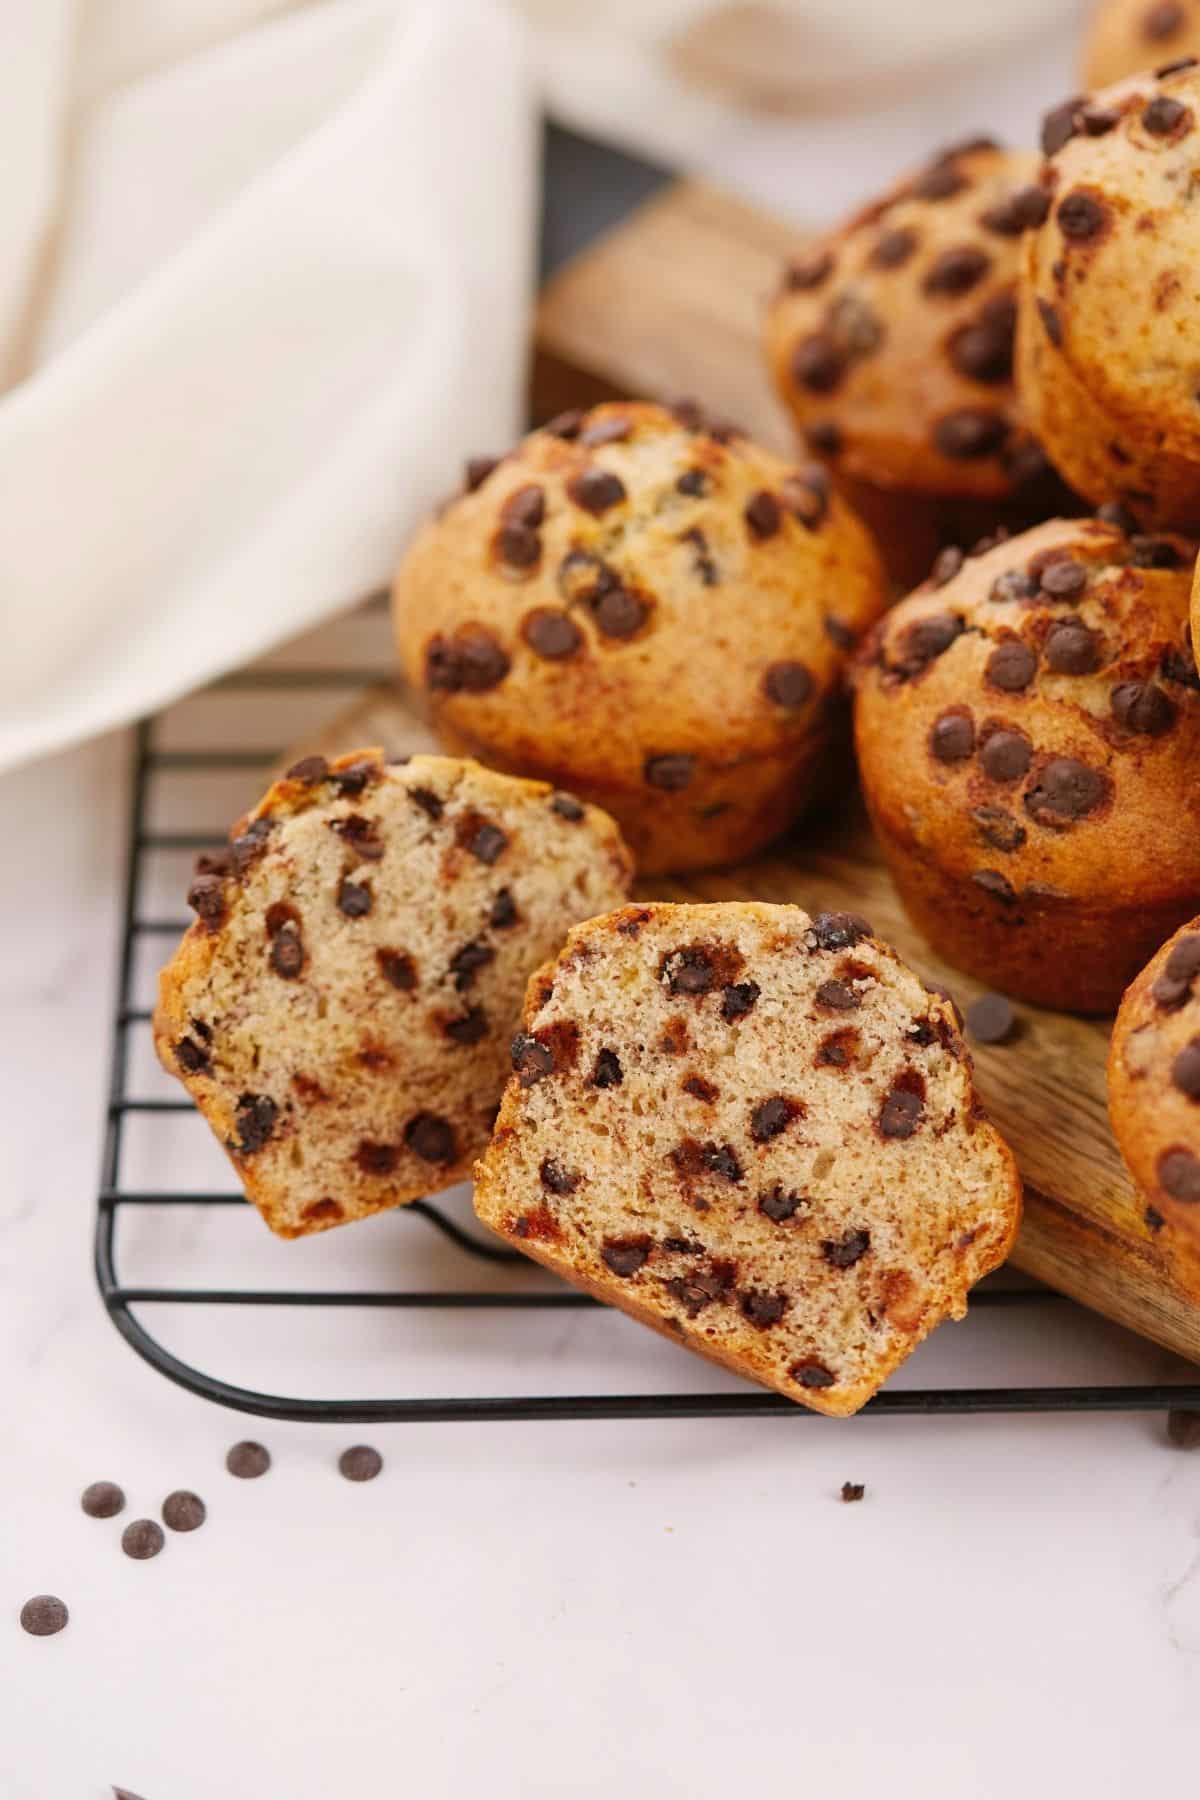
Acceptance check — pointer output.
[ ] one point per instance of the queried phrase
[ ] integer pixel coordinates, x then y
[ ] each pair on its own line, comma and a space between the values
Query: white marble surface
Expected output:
675, 1609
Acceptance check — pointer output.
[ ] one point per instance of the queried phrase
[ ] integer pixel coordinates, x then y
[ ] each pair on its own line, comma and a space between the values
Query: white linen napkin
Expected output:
264, 279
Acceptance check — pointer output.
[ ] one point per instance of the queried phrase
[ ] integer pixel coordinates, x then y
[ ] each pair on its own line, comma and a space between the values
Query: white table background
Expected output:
658, 1609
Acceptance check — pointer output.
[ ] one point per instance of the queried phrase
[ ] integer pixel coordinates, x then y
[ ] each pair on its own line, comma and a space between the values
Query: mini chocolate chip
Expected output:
1064, 579
624, 1258
430, 803
900, 1114
788, 684
1071, 649
567, 807
778, 1205
607, 1071
1011, 666
248, 1460
824, 437
1162, 20
1165, 115
309, 770
184, 1511
466, 963
618, 613
1021, 211
503, 913
551, 634
1141, 707
472, 662
565, 424
1179, 1175
206, 897
398, 968
102, 1500
1080, 215
1185, 1070
999, 886
770, 1117
531, 1059
356, 776
1014, 584
693, 482
852, 1491
762, 1309
595, 490
953, 737
1051, 322
615, 429
805, 272
836, 931
838, 997
817, 363
893, 248
926, 639
555, 1178
762, 514
142, 1539
431, 1138
362, 836
956, 271
811, 1374
193, 1058
969, 433
1065, 792
946, 565
287, 953
44, 1615
738, 999
991, 1019
477, 470
670, 773
470, 1027
1154, 553
487, 842
354, 898
255, 1122
361, 1462
844, 1252
1060, 125
998, 828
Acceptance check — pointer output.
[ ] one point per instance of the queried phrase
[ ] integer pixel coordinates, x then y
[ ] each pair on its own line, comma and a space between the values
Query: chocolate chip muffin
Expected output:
754, 1131
1154, 1080
650, 610
891, 340
1028, 730
1105, 358
341, 1009
1128, 36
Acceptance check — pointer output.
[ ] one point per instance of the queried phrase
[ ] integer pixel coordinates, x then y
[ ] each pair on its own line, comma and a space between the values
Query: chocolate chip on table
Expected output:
120, 1793
44, 1615
811, 1374
901, 1113
255, 1121
669, 773
969, 433
1179, 1175
1066, 791
142, 1539
102, 1500
763, 515
844, 1252
551, 634
1185, 1070
624, 1258
803, 273
738, 999
354, 898
248, 1460
287, 953
595, 490
1071, 649
956, 271
991, 1019
788, 684
1011, 666
309, 770
852, 1491
893, 248
952, 738
184, 1511
360, 1463
1143, 708
1163, 116
817, 363
1183, 1428
1060, 125
431, 1138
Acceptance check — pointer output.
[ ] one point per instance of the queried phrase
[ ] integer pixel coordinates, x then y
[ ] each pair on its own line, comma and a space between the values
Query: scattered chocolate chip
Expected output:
357, 775
844, 1252
1185, 1070
142, 1539
991, 1019
1154, 553
1051, 322
1098, 121
565, 424
925, 640
618, 613
984, 351
1183, 1428
1174, 984
361, 1462
206, 897
838, 997
503, 913
625, 1257
999, 886
1021, 211
354, 898
431, 1138
1071, 649
738, 999
430, 803
788, 684
607, 1071
1014, 584
555, 1179
102, 1500
466, 963
1174, 68
702, 1286
946, 565
1142, 707
956, 271
770, 1117
398, 968
287, 953
901, 1113
969, 433
485, 841
44, 1615
778, 1205
248, 1460
811, 1374
477, 470
531, 1059
836, 931
1060, 125
376, 1159
805, 272
551, 634
470, 1027
702, 562
525, 506
762, 514
520, 547
254, 1120
1064, 579
693, 482
762, 1309
852, 1491
1165, 116
1114, 513
1065, 792
940, 181
595, 490
1179, 1175
193, 1058
309, 770
953, 737
817, 364
250, 844
893, 248
472, 662
691, 1158
184, 1511
1081, 216
1011, 666
671, 773
615, 429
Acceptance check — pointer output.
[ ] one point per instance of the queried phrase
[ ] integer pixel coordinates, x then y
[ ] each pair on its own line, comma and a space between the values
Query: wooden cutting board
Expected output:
668, 304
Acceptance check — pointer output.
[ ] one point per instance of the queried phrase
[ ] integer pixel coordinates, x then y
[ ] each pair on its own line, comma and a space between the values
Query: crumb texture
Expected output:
756, 1132
342, 1008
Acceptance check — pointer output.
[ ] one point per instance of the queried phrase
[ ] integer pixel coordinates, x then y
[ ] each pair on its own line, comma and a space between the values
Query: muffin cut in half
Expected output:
342, 1007
756, 1132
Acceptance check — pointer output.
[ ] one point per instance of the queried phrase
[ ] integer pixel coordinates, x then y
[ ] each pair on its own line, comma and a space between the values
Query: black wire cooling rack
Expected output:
125, 1302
